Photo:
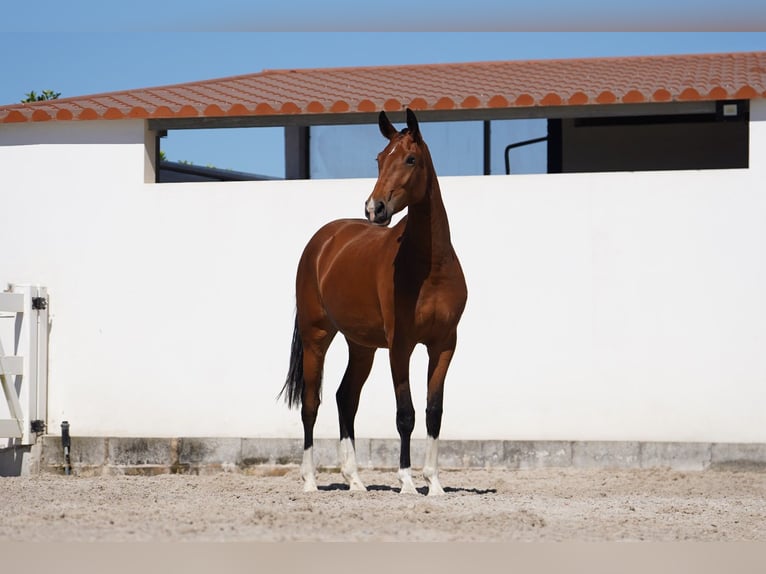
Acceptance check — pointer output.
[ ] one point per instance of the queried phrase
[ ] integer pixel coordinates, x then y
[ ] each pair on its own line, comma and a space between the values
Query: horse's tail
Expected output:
293, 388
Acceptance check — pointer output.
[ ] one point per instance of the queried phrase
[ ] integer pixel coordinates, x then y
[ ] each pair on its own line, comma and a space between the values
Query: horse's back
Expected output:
342, 227
340, 276
333, 241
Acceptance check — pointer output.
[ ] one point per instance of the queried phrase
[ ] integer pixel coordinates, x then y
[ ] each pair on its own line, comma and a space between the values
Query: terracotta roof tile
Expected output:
479, 85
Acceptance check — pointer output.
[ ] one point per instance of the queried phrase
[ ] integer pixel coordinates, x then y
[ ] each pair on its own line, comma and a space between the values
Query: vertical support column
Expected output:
297, 160
555, 146
487, 147
32, 343
152, 154
41, 335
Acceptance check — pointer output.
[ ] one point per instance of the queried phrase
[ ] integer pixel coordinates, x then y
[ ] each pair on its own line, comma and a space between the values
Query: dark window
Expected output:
716, 140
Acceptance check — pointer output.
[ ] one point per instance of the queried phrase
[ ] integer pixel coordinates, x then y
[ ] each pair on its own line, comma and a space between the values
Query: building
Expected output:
615, 300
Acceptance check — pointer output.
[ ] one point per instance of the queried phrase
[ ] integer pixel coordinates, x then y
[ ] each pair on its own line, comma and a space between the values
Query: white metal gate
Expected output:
24, 362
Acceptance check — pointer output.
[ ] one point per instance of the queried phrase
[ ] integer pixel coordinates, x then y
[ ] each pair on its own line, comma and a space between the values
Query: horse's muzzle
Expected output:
377, 212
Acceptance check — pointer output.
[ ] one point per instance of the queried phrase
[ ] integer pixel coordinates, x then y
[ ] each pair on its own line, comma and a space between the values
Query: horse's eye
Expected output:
410, 160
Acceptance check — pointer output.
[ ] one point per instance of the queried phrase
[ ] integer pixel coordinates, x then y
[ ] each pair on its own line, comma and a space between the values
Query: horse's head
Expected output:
402, 171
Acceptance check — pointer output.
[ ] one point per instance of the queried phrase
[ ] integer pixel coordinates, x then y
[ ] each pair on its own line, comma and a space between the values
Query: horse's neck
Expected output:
427, 229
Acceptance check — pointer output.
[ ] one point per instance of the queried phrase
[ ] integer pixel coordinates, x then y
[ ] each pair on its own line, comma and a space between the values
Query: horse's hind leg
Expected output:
360, 361
315, 347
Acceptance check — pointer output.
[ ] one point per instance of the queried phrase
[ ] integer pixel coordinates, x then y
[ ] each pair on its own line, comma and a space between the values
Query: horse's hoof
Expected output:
357, 486
405, 479
434, 486
310, 484
353, 481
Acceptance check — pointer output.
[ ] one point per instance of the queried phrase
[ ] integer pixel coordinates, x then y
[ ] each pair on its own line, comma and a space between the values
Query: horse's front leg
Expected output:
405, 414
360, 361
439, 358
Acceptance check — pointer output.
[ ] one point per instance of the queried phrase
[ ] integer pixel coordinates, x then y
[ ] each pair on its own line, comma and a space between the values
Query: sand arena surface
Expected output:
480, 505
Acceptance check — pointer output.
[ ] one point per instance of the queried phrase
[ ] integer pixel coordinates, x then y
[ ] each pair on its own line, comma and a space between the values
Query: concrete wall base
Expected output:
21, 460
148, 456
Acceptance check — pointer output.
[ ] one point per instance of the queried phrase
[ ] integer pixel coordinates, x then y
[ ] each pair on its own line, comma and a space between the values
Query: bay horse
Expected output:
381, 287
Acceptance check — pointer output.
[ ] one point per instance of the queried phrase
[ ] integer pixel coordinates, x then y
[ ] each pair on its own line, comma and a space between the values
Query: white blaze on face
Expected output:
370, 209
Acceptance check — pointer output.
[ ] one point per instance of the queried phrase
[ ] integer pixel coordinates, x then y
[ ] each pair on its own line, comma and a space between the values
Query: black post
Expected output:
66, 443
487, 148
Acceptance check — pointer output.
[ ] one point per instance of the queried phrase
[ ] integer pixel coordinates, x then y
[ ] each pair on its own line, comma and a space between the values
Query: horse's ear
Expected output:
386, 127
412, 125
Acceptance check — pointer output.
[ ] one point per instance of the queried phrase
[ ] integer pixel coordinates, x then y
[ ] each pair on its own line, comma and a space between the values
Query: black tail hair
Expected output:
293, 388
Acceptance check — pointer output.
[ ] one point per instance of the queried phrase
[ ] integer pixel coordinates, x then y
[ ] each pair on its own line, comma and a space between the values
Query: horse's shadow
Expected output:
422, 490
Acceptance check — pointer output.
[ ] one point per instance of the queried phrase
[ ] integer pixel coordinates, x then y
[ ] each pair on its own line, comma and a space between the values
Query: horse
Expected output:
381, 287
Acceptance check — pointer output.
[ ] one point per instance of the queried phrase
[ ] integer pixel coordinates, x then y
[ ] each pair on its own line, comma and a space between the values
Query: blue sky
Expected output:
85, 62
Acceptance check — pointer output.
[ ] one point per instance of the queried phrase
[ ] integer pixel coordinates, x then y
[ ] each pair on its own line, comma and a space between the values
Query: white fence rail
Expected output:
23, 362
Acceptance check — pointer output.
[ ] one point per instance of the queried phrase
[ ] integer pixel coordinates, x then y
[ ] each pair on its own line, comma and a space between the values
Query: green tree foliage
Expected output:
44, 96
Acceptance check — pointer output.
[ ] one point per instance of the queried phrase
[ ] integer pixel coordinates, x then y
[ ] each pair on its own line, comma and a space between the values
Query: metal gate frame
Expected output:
24, 373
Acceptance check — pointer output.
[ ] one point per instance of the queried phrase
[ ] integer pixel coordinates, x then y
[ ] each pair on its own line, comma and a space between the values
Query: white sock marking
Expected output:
431, 469
405, 479
307, 471
348, 466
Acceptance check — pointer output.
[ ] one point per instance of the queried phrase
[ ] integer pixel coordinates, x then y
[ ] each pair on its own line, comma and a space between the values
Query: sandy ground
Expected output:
480, 505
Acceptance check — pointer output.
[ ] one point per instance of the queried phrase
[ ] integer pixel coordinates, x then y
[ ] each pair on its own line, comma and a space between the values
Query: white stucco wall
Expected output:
621, 306
758, 134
